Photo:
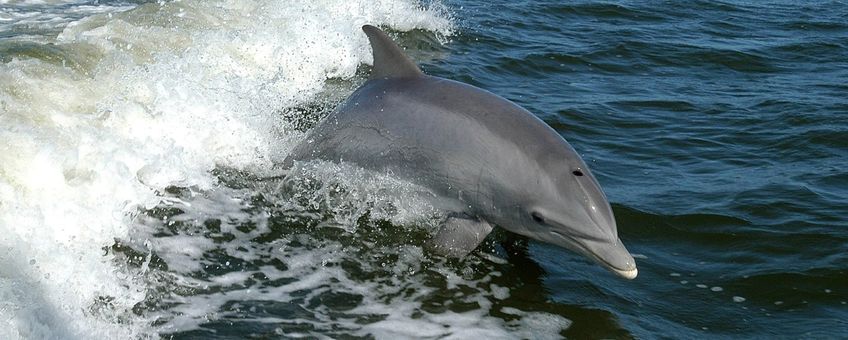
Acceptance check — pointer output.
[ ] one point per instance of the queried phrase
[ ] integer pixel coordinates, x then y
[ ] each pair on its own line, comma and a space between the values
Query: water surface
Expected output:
139, 196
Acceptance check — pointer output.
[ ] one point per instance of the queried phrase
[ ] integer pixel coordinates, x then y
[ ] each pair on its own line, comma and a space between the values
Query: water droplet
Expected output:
701, 285
738, 299
716, 289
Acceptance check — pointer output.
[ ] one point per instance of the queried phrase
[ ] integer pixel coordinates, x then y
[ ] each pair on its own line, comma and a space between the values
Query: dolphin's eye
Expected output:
577, 172
537, 217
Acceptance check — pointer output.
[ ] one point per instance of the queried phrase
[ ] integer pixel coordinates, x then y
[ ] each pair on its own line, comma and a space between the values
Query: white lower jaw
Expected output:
627, 274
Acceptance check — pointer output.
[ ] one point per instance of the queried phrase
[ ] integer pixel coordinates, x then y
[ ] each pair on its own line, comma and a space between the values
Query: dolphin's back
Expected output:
418, 126
433, 131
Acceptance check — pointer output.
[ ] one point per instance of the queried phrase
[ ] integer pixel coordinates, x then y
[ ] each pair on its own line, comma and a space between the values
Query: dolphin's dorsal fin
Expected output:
389, 59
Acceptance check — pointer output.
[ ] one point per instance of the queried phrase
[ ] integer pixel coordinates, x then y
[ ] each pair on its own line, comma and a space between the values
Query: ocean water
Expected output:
139, 196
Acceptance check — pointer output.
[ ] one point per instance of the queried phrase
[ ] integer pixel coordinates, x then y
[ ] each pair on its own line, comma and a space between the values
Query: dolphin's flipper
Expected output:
459, 235
389, 59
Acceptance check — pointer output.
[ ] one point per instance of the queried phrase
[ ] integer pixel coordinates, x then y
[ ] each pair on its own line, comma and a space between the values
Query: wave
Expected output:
120, 105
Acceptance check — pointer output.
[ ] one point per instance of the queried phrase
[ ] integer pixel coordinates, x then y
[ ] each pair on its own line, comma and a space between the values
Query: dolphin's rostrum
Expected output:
489, 161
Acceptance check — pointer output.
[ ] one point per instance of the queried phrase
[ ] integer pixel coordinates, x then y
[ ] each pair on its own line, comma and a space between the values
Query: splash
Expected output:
97, 121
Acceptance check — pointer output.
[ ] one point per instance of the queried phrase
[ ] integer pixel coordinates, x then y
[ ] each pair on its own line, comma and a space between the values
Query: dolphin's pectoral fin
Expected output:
459, 235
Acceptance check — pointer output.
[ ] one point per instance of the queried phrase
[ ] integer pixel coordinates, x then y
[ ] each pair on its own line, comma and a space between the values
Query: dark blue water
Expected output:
719, 131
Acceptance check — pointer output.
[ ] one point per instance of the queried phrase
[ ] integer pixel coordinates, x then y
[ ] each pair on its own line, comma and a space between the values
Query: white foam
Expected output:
499, 292
394, 300
344, 189
155, 96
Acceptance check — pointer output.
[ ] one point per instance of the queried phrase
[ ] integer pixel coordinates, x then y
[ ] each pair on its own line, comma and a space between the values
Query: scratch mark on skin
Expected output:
382, 133
477, 189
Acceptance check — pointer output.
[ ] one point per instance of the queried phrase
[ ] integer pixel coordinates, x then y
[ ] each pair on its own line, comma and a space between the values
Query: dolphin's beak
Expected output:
607, 249
612, 255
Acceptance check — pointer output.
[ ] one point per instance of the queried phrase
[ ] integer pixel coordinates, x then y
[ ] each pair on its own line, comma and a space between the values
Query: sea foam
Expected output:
97, 121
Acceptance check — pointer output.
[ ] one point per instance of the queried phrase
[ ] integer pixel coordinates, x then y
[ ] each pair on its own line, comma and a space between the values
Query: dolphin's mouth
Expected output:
627, 274
613, 256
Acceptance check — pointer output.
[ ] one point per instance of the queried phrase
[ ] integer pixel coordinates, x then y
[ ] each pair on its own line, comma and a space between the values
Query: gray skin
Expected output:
489, 161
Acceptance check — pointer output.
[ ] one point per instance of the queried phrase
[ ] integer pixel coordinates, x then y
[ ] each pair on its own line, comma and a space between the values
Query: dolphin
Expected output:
487, 160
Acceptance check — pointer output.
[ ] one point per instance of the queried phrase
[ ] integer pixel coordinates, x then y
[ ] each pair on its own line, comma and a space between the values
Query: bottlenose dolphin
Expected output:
489, 161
